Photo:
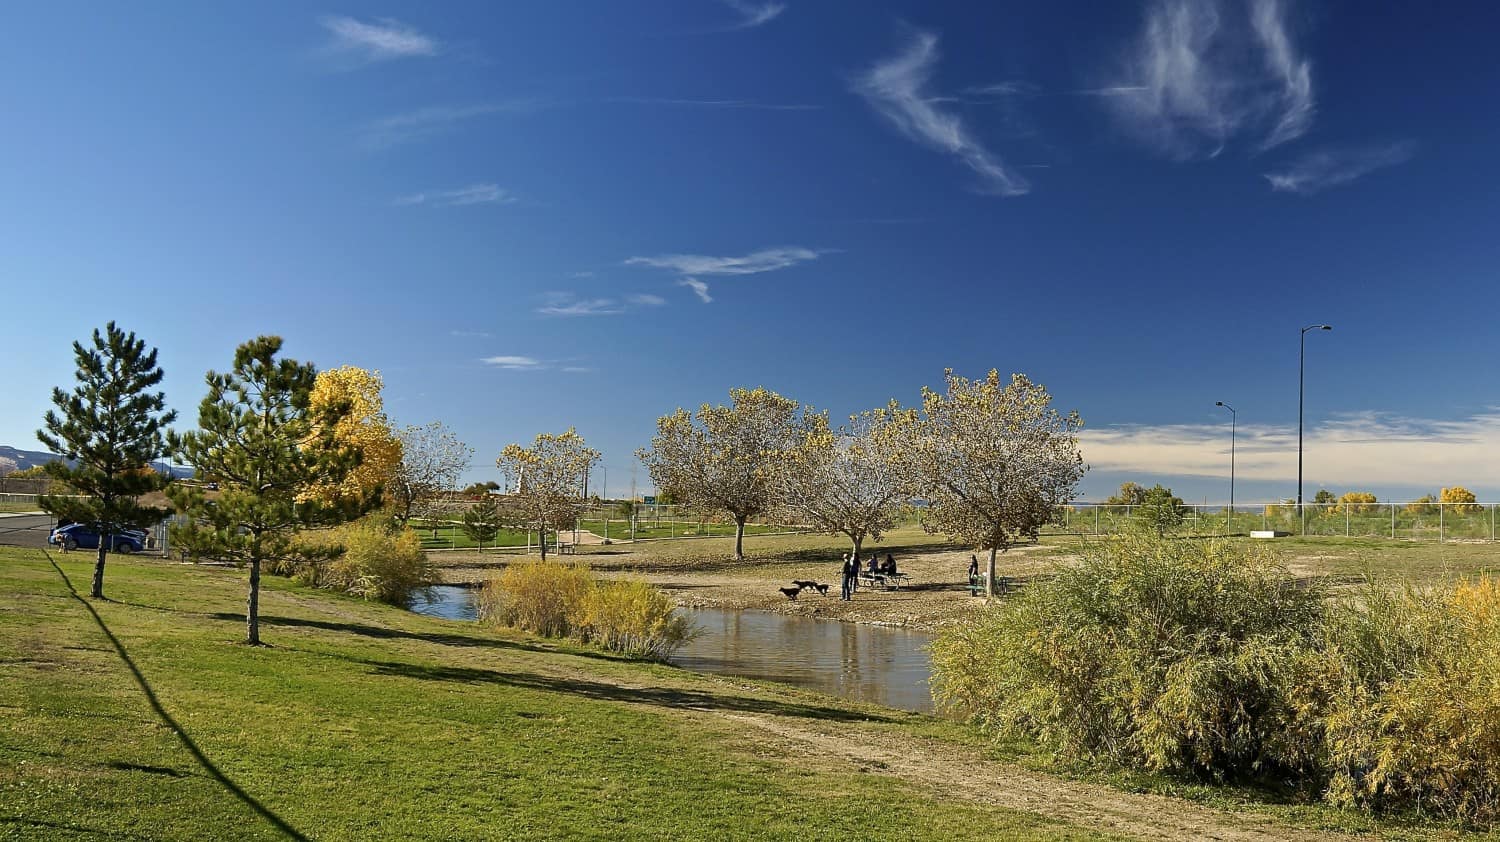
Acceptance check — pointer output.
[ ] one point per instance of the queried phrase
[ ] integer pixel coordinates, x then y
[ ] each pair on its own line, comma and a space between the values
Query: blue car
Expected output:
76, 535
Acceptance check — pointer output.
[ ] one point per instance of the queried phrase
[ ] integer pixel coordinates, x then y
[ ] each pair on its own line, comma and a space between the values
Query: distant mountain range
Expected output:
23, 459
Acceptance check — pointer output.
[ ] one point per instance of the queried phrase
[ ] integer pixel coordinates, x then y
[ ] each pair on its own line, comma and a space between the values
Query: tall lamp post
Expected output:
1301, 369
1234, 418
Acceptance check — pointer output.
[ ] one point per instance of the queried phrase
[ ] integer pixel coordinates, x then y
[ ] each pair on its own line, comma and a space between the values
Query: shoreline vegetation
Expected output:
140, 716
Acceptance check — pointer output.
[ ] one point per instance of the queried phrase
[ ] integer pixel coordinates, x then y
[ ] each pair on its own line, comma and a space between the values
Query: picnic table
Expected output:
888, 581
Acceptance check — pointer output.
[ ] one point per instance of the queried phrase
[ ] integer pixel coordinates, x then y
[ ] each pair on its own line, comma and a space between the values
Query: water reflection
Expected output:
887, 666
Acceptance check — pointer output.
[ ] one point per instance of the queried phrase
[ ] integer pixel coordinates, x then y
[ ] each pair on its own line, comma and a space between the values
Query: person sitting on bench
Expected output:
889, 568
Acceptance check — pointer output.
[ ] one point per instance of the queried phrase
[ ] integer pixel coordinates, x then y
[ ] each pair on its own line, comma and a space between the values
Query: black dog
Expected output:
803, 584
791, 593
822, 589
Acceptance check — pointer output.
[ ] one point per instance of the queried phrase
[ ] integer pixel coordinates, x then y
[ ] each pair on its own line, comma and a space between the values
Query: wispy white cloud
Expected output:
1331, 167
470, 334
434, 120
568, 304
896, 88
765, 260
474, 194
1291, 72
1364, 449
513, 363
577, 369
754, 14
699, 289
379, 40
998, 90
1205, 71
716, 103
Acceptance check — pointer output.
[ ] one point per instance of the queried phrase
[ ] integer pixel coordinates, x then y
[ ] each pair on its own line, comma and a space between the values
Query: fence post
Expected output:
1346, 519
1440, 523
1096, 523
1393, 520
1492, 524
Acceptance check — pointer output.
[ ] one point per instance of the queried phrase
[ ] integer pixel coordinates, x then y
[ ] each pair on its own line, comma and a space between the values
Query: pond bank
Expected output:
879, 665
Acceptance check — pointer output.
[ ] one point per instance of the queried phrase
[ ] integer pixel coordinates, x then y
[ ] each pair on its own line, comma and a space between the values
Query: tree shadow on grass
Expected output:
438, 638
166, 718
669, 697
73, 830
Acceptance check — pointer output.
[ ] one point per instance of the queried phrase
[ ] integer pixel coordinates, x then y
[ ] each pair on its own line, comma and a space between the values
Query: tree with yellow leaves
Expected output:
546, 481
717, 465
363, 428
848, 480
994, 461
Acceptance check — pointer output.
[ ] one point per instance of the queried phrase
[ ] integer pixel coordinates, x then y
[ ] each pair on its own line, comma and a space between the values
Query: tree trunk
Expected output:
541, 539
739, 537
858, 542
989, 585
96, 590
252, 609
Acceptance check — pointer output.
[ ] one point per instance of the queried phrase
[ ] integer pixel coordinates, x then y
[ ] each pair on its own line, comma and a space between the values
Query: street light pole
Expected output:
1301, 379
1233, 423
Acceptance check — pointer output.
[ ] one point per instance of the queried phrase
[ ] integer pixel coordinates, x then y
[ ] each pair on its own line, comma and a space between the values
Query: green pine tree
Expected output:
260, 442
111, 428
482, 521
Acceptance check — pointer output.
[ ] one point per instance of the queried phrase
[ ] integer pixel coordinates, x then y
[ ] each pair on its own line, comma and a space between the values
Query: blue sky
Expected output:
530, 216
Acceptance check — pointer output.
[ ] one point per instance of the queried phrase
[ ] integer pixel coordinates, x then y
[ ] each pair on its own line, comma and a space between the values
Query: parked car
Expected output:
76, 535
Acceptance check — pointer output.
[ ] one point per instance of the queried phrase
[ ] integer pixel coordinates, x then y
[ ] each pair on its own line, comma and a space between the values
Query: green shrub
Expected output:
379, 561
542, 597
1201, 658
1164, 655
634, 618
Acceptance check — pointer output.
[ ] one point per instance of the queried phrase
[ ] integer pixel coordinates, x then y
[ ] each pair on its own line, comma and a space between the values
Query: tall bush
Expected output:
1414, 717
555, 599
1166, 655
542, 597
634, 618
374, 560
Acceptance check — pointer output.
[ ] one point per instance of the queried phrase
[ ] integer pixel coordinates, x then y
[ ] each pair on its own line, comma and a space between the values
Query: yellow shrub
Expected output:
377, 561
1462, 499
1359, 502
1416, 724
634, 618
557, 599
542, 597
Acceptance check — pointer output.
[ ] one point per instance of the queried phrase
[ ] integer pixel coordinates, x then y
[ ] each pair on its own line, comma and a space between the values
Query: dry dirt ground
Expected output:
699, 574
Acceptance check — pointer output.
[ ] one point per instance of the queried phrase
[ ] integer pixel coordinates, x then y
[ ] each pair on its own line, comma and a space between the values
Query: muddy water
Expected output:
887, 666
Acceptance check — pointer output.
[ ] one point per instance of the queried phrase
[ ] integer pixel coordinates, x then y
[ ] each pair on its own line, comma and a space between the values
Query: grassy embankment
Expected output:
140, 718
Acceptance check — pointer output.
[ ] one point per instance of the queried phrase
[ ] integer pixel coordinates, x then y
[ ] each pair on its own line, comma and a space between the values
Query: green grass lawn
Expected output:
362, 721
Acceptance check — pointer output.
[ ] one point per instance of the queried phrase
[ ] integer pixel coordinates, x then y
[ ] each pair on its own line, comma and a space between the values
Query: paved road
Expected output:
25, 530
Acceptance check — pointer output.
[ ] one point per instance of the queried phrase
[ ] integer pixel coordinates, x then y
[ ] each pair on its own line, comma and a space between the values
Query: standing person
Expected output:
846, 579
973, 567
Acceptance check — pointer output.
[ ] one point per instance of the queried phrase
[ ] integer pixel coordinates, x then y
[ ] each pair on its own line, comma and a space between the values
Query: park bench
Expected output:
565, 548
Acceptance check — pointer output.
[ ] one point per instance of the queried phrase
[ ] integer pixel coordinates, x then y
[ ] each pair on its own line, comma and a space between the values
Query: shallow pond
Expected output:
887, 666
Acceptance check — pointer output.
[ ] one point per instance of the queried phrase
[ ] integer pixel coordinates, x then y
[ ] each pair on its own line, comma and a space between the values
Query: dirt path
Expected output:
954, 772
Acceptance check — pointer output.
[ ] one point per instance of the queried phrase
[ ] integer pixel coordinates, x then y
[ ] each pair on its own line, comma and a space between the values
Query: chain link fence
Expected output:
1416, 520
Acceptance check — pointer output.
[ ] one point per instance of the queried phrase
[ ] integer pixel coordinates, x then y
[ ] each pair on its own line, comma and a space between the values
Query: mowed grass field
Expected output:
145, 719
